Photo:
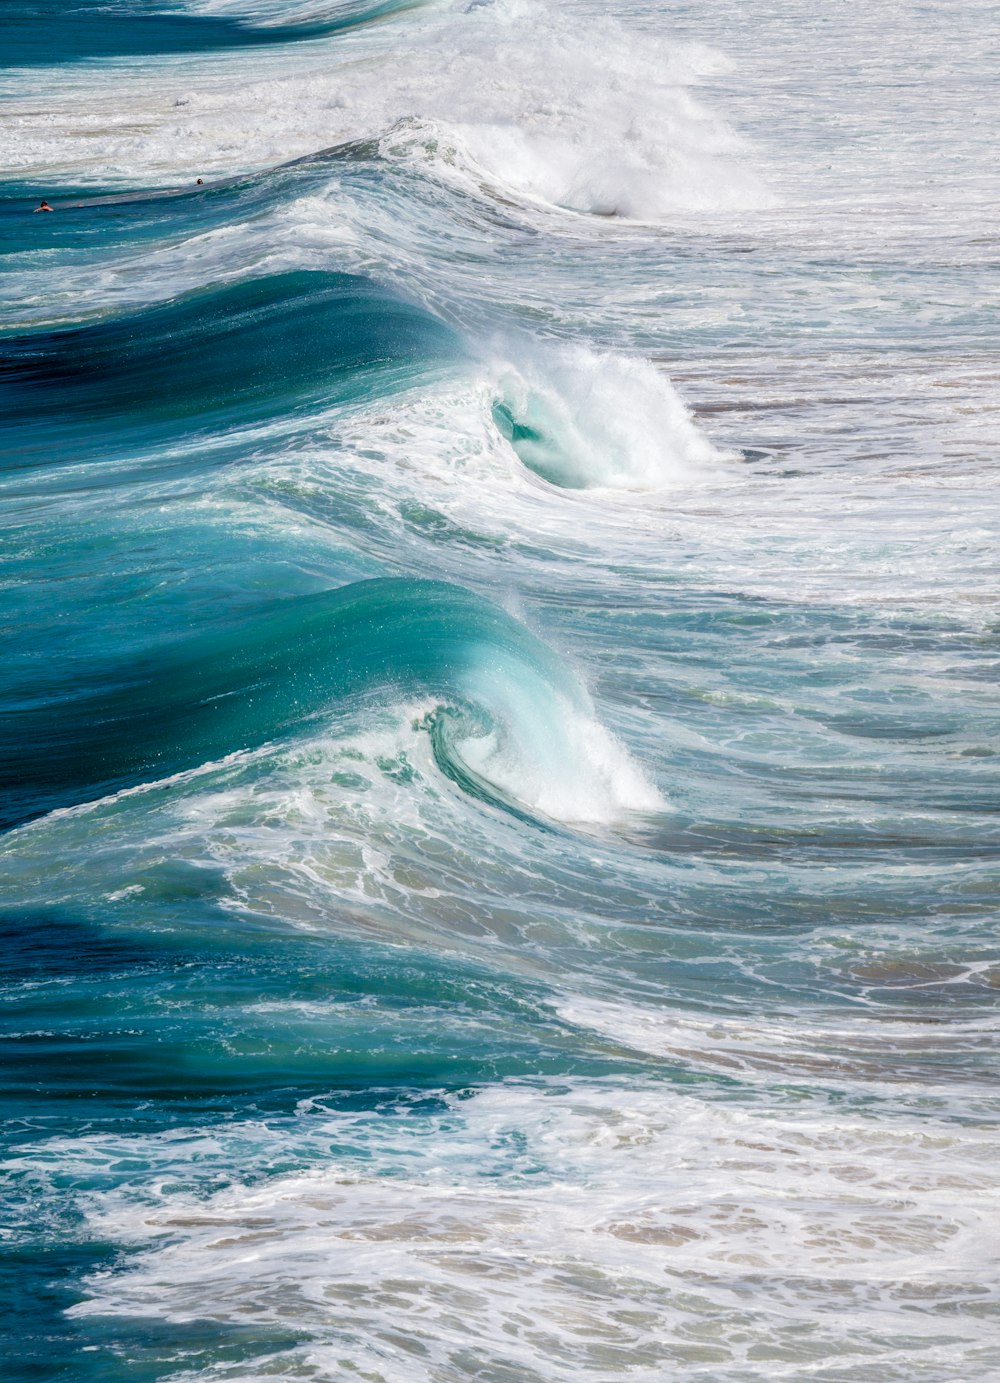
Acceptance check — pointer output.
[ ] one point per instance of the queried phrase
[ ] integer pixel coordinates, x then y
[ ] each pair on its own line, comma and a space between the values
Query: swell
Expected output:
229, 354
551, 115
99, 729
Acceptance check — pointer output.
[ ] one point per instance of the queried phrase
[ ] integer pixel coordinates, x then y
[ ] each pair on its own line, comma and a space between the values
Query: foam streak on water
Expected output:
498, 716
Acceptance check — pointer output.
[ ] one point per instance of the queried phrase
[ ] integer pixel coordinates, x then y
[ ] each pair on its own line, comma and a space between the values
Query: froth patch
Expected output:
554, 1232
822, 1051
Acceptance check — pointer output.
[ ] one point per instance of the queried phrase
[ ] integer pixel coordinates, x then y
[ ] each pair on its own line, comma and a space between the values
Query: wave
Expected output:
519, 727
594, 118
229, 354
581, 419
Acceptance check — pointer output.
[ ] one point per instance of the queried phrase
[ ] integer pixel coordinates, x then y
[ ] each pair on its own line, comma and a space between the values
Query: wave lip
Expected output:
541, 757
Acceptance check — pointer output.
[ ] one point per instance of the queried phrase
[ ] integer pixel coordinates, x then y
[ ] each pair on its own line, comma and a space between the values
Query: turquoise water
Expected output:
39, 33
498, 721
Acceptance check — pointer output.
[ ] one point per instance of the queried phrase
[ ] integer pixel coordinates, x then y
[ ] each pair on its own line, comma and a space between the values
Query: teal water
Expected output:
498, 716
39, 33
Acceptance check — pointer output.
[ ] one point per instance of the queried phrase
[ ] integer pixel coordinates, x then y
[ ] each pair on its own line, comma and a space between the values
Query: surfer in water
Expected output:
42, 206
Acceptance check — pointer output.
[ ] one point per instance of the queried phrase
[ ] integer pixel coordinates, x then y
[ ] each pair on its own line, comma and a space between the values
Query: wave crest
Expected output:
516, 727
582, 419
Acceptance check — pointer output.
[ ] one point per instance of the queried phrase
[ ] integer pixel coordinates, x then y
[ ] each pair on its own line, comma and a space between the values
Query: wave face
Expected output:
230, 354
276, 673
498, 709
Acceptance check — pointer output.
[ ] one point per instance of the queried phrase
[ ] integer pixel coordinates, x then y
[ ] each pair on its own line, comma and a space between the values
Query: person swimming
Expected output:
43, 206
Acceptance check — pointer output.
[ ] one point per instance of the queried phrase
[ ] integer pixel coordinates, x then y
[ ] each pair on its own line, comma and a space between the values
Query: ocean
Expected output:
498, 712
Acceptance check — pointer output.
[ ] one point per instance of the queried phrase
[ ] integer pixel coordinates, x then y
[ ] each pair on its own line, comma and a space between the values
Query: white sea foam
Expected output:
556, 759
588, 117
827, 1053
590, 419
552, 1232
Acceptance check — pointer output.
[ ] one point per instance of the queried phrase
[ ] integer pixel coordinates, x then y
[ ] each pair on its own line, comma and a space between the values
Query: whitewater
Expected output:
499, 715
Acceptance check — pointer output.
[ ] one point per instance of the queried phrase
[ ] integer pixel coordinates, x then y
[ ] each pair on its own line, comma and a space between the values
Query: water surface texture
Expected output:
498, 715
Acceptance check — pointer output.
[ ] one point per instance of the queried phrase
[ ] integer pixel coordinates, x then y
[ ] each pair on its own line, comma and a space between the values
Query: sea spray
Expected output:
582, 419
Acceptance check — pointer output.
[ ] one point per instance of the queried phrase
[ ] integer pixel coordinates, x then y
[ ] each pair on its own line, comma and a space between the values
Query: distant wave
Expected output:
79, 31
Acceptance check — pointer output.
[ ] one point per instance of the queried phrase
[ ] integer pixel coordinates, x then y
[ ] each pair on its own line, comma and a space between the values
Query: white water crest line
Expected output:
885, 1050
